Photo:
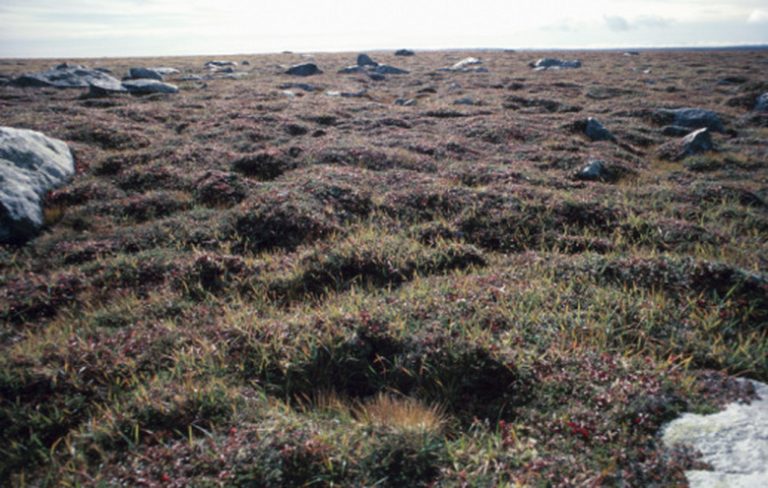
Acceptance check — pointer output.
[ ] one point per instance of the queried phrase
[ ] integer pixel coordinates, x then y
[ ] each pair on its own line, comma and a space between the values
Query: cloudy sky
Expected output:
74, 28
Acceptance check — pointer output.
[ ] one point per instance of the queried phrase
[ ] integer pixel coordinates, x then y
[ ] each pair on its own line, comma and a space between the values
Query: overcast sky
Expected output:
75, 28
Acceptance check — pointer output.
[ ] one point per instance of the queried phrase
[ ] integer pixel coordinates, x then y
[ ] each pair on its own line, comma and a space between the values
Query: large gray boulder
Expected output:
304, 69
146, 87
68, 76
554, 63
31, 164
144, 74
761, 105
692, 118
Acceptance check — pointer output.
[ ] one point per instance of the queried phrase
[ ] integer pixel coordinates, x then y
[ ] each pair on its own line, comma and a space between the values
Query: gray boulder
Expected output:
595, 170
596, 131
31, 164
144, 74
146, 87
101, 90
554, 63
301, 86
219, 64
697, 142
404, 52
365, 60
762, 103
304, 69
465, 63
349, 70
166, 71
464, 101
67, 76
385, 69
692, 118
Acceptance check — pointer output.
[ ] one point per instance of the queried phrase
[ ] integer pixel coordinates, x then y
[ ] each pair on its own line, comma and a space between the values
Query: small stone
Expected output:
303, 69
596, 131
404, 52
595, 170
762, 103
365, 60
405, 102
464, 101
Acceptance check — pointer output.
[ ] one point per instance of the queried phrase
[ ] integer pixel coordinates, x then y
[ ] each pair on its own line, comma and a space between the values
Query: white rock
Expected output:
31, 164
734, 442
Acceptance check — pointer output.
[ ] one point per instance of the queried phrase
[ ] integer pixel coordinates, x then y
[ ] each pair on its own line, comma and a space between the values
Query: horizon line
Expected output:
712, 47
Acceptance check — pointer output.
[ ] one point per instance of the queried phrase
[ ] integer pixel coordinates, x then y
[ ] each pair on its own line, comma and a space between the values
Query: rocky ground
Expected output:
480, 276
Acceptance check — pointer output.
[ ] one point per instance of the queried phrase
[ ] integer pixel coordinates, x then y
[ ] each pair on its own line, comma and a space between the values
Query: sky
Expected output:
101, 28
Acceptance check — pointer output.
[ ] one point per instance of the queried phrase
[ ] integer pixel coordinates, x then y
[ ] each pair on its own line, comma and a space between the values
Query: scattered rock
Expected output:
193, 78
404, 52
595, 170
304, 69
467, 65
732, 80
146, 87
632, 53
357, 94
693, 118
596, 131
762, 103
732, 442
101, 90
598, 170
464, 63
554, 63
696, 142
365, 60
405, 102
219, 64
31, 164
144, 74
349, 70
385, 69
464, 101
307, 87
246, 63
67, 76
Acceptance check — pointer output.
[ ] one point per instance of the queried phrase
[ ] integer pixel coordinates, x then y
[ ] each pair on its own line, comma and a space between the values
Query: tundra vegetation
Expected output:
253, 285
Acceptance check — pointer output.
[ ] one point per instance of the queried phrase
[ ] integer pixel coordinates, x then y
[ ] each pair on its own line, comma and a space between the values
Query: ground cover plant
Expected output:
250, 283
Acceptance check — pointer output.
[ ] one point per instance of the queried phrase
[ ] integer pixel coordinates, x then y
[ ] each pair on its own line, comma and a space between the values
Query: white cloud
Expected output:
617, 23
758, 16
